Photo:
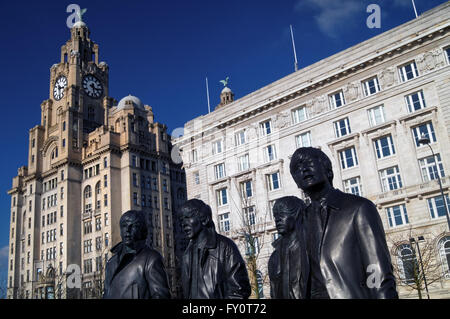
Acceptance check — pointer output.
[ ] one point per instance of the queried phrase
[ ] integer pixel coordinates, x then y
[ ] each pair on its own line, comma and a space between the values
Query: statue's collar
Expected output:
331, 199
120, 247
208, 241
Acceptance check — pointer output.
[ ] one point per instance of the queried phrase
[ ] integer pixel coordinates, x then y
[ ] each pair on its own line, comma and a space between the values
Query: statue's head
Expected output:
286, 212
195, 216
311, 168
133, 227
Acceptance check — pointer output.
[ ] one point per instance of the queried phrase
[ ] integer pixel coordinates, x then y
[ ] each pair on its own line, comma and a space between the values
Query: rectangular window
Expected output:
194, 156
222, 198
429, 168
384, 146
376, 115
342, 127
336, 99
426, 130
224, 222
105, 180
447, 54
408, 71
243, 163
397, 215
303, 140
246, 189
436, 206
98, 223
239, 138
98, 243
106, 219
273, 181
166, 203
135, 181
87, 227
165, 185
249, 215
197, 178
217, 147
390, 179
143, 200
348, 158
299, 115
415, 101
155, 183
353, 186
133, 160
371, 86
275, 236
266, 127
270, 153
135, 199
105, 162
219, 170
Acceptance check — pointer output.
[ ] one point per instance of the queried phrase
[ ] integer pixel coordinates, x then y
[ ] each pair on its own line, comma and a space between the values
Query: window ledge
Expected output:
413, 115
343, 139
378, 127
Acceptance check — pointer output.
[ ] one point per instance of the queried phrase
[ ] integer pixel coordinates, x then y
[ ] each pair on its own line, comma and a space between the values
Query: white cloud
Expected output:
333, 16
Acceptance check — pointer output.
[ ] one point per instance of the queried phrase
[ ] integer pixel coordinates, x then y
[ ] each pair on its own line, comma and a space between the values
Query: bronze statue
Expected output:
212, 267
345, 241
136, 271
287, 262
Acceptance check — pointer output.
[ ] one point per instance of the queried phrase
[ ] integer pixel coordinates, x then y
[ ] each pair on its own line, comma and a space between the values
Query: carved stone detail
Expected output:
318, 105
387, 77
351, 92
430, 60
283, 119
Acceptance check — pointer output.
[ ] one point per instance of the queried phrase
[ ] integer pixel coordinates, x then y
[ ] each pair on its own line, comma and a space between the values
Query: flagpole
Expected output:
207, 95
414, 5
293, 46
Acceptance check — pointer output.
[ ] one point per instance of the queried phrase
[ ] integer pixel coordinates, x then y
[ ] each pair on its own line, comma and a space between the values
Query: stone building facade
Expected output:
365, 107
90, 160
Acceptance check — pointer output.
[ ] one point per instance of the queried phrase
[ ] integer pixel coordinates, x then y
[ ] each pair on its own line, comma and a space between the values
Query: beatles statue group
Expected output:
333, 248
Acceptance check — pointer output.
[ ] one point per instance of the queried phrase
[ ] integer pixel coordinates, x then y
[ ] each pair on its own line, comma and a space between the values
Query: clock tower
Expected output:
78, 95
90, 159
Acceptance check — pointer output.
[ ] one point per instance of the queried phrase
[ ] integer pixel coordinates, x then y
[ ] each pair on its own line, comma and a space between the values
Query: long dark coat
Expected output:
142, 278
224, 272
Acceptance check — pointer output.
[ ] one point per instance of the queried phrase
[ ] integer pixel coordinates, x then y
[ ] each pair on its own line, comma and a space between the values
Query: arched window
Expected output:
54, 153
87, 192
444, 254
407, 263
97, 195
97, 188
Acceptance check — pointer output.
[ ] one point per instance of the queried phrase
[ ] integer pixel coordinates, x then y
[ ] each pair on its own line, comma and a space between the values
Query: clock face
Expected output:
92, 86
58, 89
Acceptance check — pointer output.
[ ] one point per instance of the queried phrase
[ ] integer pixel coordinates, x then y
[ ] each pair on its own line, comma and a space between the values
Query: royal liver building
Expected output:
90, 159
367, 108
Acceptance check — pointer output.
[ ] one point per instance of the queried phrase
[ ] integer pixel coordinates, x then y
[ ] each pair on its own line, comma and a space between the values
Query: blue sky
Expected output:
161, 52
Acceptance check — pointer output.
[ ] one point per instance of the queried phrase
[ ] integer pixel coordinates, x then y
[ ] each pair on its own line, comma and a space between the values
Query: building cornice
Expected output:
380, 55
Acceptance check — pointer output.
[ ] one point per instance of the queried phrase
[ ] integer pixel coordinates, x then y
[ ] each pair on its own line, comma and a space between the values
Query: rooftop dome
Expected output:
79, 24
226, 89
130, 100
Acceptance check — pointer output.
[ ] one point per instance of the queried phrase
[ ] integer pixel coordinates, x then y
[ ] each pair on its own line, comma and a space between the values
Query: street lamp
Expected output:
412, 241
425, 140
